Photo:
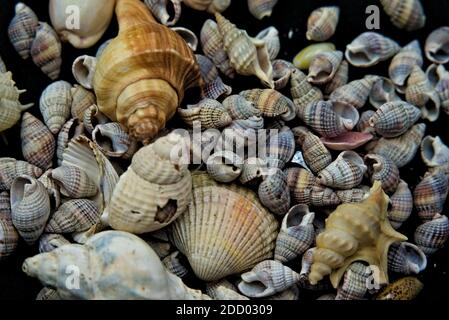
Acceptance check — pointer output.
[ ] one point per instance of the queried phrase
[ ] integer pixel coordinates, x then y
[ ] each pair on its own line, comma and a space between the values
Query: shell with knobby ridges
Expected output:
46, 50
402, 64
406, 258
11, 168
22, 29
271, 103
74, 182
405, 14
401, 205
261, 8
353, 286
432, 235
406, 288
160, 9
340, 78
214, 85
355, 93
434, 152
71, 129
436, 46
55, 103
209, 113
324, 67
81, 100
224, 166
430, 195
322, 23
50, 241
274, 193
240, 108
384, 170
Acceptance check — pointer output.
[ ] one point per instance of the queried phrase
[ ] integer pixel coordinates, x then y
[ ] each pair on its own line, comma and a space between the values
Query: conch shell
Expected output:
355, 231
141, 83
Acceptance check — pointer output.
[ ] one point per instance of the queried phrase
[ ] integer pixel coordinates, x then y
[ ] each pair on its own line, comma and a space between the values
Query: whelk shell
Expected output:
113, 141
405, 14
174, 265
11, 168
340, 78
401, 205
432, 235
215, 86
93, 117
280, 148
430, 194
240, 108
55, 104
253, 170
72, 129
355, 93
208, 113
52, 189
384, 170
353, 195
442, 88
74, 182
22, 29
223, 290
302, 91
402, 64
282, 70
434, 152
406, 258
322, 23
46, 50
9, 237
363, 125
160, 9
261, 8
324, 66
383, 91
274, 192
353, 285
437, 46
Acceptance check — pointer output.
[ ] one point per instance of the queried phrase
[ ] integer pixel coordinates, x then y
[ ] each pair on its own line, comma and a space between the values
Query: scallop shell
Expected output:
340, 78
215, 86
322, 23
324, 67
30, 207
174, 265
160, 9
50, 241
355, 93
46, 50
38, 143
271, 36
223, 290
240, 108
432, 235
407, 288
402, 64
384, 170
405, 14
280, 148
224, 166
74, 182
394, 118
207, 113
216, 212
9, 237
55, 104
303, 59
81, 100
112, 139
354, 282
282, 70
71, 129
211, 6
434, 152
406, 258
274, 192
93, 117
353, 195
401, 205
430, 195
297, 234
22, 29
11, 168
383, 91
370, 48
436, 46
261, 8
83, 70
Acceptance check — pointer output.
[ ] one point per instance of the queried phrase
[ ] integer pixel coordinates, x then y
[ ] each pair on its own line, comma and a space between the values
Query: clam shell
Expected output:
240, 108
437, 46
274, 192
405, 14
383, 91
261, 8
432, 235
223, 290
46, 50
402, 64
208, 113
303, 59
214, 87
81, 100
383, 170
430, 195
74, 182
434, 152
224, 166
406, 258
22, 29
160, 9
271, 36
282, 71
401, 205
112, 139
50, 241
322, 23
407, 288
55, 104
355, 93
238, 231
353, 286
340, 78
353, 195
71, 129
83, 70
11, 168
324, 66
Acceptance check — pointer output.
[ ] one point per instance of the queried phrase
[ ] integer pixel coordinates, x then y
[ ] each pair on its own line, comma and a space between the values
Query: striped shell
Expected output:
112, 139
303, 93
38, 143
2, 66
50, 241
322, 23
239, 232
383, 170
401, 205
240, 108
282, 70
354, 282
174, 265
406, 258
405, 14
436, 46
11, 168
280, 148
208, 113
224, 166
355, 93
303, 59
252, 171
274, 192
434, 152
74, 182
261, 8
214, 85
9, 237
407, 288
271, 36
383, 91
402, 64
340, 78
353, 195
92, 117
22, 29
442, 88
81, 100
71, 129
160, 9
430, 195
324, 67
52, 189
432, 235
46, 50
55, 104
363, 125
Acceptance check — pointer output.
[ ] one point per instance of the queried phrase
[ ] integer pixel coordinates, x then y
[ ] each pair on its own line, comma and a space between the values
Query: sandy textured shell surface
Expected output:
55, 104
401, 205
430, 195
402, 64
161, 9
407, 288
46, 50
261, 8
22, 29
322, 23
405, 14
432, 235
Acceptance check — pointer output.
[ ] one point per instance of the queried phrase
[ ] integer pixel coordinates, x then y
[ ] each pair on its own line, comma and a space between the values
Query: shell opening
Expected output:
427, 148
18, 189
167, 212
296, 215
441, 54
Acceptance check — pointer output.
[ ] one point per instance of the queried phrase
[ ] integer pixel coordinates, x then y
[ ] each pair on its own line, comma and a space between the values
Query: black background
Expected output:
287, 16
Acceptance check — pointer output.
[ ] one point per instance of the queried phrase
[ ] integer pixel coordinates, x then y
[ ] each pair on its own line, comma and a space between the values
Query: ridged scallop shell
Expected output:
215, 86
83, 70
38, 143
55, 104
324, 66
240, 108
402, 64
430, 195
248, 56
73, 216
340, 78
322, 23
208, 113
223, 290
274, 193
71, 129
9, 237
383, 91
355, 93
407, 288
370, 48
280, 148
432, 235
271, 36
11, 168
261, 8
93, 117
354, 282
22, 29
346, 172
46, 50
81, 100
216, 212
253, 170
267, 278
297, 234
174, 265
394, 118
50, 241
282, 71
160, 9
401, 149
406, 258
434, 152
436, 46
30, 207
353, 195
384, 170
401, 205
112, 139
405, 14
74, 182
304, 57
224, 166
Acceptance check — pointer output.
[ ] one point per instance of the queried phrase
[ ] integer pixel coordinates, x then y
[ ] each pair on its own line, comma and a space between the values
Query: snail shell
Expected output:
83, 70
173, 264
113, 141
274, 192
442, 87
261, 8
322, 23
93, 117
355, 93
160, 10
436, 46
11, 168
271, 103
22, 29
406, 258
282, 70
253, 170
46, 50
271, 36
432, 235
434, 152
9, 237
324, 67
71, 129
384, 170
430, 195
353, 195
223, 290
74, 182
383, 91
224, 166
55, 104
401, 205
211, 6
52, 189
240, 108
208, 113
214, 85
353, 286
81, 100
405, 14
303, 59
340, 78
280, 148
50, 241
402, 64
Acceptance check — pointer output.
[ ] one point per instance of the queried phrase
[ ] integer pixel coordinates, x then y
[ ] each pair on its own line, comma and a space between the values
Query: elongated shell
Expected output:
297, 234
436, 46
261, 8
432, 235
274, 192
160, 10
355, 231
282, 71
224, 166
322, 23
303, 92
46, 50
55, 104
229, 210
405, 14
214, 85
208, 113
11, 168
340, 78
430, 195
384, 170
71, 129
370, 48
324, 66
407, 288
434, 152
402, 64
354, 282
81, 100
22, 29
30, 207
401, 205
406, 258
50, 241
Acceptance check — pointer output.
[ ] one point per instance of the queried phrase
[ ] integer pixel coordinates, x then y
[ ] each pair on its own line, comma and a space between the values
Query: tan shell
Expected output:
324, 67
11, 168
22, 29
405, 14
160, 9
271, 103
303, 93
113, 141
282, 71
353, 195
46, 50
81, 100
224, 166
93, 117
55, 103
83, 70
261, 8
216, 212
322, 23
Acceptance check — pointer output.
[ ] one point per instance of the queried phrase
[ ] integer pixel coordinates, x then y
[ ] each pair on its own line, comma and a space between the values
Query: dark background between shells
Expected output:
288, 17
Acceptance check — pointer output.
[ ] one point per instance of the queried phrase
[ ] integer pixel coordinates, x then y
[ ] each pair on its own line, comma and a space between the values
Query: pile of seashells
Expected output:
308, 214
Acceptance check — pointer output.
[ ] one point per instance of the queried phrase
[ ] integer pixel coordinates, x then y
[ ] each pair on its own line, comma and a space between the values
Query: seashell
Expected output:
55, 104
442, 88
291, 293
271, 36
303, 93
241, 134
146, 96
406, 258
306, 264
407, 288
370, 48
433, 73
402, 64
22, 29
224, 166
340, 78
223, 290
315, 153
38, 144
434, 152
5, 206
303, 59
436, 46
353, 286
230, 210
73, 216
52, 189
160, 9
48, 294
50, 241
30, 207
96, 19
296, 235
2, 66
112, 139
248, 56
46, 50
383, 91
363, 125
261, 8
432, 235
430, 195
95, 265
154, 171
9, 237
93, 117
405, 14
306, 190
322, 23
72, 129
401, 205
74, 182
214, 87
213, 47
267, 278
401, 150
208, 113
280, 148
162, 248
282, 71
211, 6
324, 66
83, 70
327, 296
355, 93
345, 172
347, 141
173, 264
11, 168
384, 170
240, 108
340, 245
274, 192
353, 195
189, 37
81, 100
420, 93
253, 170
